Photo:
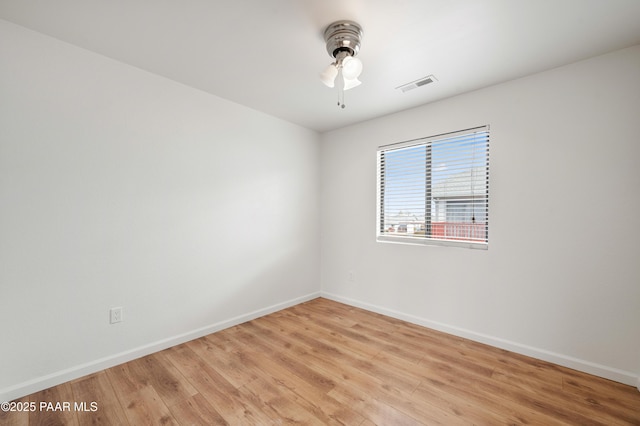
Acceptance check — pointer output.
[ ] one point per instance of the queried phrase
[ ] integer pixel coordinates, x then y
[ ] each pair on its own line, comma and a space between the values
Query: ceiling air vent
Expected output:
415, 84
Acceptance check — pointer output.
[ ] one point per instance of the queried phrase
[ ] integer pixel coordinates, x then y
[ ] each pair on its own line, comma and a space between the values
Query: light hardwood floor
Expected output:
322, 362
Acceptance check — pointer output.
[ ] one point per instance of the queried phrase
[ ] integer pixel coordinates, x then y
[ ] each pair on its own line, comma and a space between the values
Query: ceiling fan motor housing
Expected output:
343, 36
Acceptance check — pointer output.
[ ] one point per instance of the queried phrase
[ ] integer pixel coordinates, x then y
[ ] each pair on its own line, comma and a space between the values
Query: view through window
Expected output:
436, 189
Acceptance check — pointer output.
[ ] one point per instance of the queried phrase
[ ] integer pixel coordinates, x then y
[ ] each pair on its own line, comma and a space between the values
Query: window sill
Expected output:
421, 241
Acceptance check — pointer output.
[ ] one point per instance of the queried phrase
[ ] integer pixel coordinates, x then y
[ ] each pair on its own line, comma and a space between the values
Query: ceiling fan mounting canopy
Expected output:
343, 36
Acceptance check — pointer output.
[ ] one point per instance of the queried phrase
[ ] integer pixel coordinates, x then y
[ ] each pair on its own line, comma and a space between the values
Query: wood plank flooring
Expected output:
322, 362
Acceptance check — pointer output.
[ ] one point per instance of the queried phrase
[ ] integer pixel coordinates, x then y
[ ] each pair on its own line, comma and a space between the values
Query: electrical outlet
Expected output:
115, 315
352, 276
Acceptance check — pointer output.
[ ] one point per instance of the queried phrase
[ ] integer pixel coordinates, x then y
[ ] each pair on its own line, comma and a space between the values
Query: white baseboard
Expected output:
604, 371
58, 377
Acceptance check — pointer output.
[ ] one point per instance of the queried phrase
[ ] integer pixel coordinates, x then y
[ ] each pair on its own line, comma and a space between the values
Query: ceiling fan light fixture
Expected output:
329, 75
343, 44
350, 83
351, 67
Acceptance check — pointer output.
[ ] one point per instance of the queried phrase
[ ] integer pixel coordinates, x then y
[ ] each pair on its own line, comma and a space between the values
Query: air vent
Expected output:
415, 84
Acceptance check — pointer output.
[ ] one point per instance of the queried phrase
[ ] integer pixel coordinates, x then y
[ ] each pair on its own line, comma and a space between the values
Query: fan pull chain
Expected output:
341, 95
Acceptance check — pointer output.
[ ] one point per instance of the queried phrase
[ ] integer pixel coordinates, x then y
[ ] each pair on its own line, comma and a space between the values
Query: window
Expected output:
435, 190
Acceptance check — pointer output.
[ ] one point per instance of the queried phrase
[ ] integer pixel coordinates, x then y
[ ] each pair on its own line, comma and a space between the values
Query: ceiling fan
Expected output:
343, 44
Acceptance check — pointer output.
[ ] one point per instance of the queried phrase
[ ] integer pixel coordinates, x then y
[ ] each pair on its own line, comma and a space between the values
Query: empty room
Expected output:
263, 212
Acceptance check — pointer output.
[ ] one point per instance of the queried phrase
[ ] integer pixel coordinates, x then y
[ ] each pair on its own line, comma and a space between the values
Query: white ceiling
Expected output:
267, 54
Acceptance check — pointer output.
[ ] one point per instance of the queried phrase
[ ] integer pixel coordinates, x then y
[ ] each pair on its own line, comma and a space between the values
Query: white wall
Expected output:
561, 277
122, 188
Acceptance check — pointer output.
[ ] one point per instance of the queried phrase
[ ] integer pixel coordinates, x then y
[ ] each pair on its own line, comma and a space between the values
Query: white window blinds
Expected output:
436, 189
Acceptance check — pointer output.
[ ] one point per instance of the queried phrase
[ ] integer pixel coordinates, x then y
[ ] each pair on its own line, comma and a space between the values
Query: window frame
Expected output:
383, 237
